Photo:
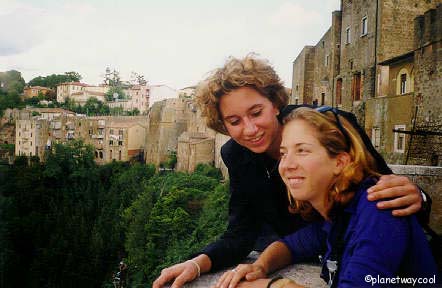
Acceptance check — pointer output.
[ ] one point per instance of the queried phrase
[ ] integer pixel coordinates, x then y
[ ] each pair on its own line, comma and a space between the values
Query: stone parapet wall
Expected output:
429, 178
307, 275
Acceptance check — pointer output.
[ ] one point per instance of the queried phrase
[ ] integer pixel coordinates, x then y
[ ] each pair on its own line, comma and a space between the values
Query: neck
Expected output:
321, 206
273, 150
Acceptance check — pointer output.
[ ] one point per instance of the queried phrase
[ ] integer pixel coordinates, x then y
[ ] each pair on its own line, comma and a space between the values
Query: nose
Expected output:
288, 162
250, 127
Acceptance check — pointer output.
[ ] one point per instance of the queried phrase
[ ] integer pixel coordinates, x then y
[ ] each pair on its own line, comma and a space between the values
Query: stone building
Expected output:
168, 119
137, 98
65, 90
113, 138
31, 137
404, 117
380, 57
316, 67
33, 91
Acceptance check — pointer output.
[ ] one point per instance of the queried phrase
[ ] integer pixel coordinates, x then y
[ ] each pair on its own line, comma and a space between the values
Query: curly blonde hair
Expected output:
250, 72
362, 163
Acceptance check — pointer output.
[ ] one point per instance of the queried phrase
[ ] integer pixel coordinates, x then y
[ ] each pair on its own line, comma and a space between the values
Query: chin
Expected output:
258, 150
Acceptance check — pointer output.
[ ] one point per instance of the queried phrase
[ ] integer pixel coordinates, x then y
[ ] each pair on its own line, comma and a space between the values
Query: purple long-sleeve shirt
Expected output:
377, 244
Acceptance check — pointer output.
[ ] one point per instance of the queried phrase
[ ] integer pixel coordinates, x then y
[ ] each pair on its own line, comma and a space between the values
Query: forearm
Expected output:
274, 257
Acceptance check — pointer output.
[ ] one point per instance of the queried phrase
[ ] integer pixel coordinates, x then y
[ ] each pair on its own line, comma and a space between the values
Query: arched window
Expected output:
404, 82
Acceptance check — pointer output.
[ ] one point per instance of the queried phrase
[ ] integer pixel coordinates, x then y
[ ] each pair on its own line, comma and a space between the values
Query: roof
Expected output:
398, 59
74, 83
37, 87
51, 110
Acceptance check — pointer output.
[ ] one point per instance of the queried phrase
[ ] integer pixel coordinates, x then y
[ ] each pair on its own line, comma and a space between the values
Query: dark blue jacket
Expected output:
378, 246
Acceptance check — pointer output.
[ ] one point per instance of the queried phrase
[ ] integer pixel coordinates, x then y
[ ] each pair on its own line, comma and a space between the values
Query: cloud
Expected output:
23, 27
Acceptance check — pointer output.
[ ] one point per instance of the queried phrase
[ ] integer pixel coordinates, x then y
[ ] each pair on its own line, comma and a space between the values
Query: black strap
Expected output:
273, 280
332, 264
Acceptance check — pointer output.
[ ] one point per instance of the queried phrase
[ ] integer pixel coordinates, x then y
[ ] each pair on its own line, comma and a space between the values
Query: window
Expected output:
403, 88
376, 137
120, 143
322, 98
364, 26
327, 59
111, 142
399, 139
120, 132
356, 87
347, 35
111, 131
339, 91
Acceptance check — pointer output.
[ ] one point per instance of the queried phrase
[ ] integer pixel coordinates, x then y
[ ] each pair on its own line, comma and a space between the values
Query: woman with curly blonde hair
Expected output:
245, 99
327, 171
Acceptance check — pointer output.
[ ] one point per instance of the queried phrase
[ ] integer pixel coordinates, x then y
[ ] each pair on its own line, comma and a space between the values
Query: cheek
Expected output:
234, 131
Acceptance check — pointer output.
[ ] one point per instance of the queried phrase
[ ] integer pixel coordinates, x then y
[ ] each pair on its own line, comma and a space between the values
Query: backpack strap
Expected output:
332, 264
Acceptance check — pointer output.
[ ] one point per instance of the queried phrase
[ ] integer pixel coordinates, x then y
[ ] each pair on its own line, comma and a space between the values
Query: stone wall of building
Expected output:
357, 59
427, 149
384, 113
302, 81
396, 24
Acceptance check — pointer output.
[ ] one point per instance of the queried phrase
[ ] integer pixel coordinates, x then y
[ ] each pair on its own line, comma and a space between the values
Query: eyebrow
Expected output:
296, 145
248, 110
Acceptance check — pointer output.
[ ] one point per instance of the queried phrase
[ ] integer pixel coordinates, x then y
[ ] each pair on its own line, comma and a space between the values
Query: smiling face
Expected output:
306, 167
250, 119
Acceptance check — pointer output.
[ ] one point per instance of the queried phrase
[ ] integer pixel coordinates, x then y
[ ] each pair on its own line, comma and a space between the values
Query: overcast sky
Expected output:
172, 42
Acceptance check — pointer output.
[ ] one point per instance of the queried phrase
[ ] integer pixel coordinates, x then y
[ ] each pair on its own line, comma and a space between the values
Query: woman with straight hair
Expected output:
327, 171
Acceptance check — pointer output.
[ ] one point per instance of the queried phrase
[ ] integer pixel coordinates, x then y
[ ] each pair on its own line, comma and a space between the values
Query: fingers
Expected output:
225, 279
241, 271
390, 186
231, 278
183, 278
400, 194
388, 181
182, 273
255, 275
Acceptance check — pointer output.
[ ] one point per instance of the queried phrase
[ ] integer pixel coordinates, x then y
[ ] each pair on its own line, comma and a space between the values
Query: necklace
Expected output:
272, 170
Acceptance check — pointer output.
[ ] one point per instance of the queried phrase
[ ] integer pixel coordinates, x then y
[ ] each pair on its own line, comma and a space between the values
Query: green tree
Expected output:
115, 93
51, 81
12, 82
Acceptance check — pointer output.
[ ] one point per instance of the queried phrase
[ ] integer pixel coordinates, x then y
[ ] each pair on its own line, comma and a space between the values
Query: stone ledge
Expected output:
304, 274
416, 170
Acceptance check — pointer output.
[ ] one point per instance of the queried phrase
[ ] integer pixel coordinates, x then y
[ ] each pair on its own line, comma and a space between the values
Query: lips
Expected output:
256, 140
295, 181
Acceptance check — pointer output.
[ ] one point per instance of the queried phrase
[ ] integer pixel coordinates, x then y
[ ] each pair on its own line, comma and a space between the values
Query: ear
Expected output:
341, 161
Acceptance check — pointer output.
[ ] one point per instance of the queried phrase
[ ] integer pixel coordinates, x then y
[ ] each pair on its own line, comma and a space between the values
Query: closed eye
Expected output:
256, 113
